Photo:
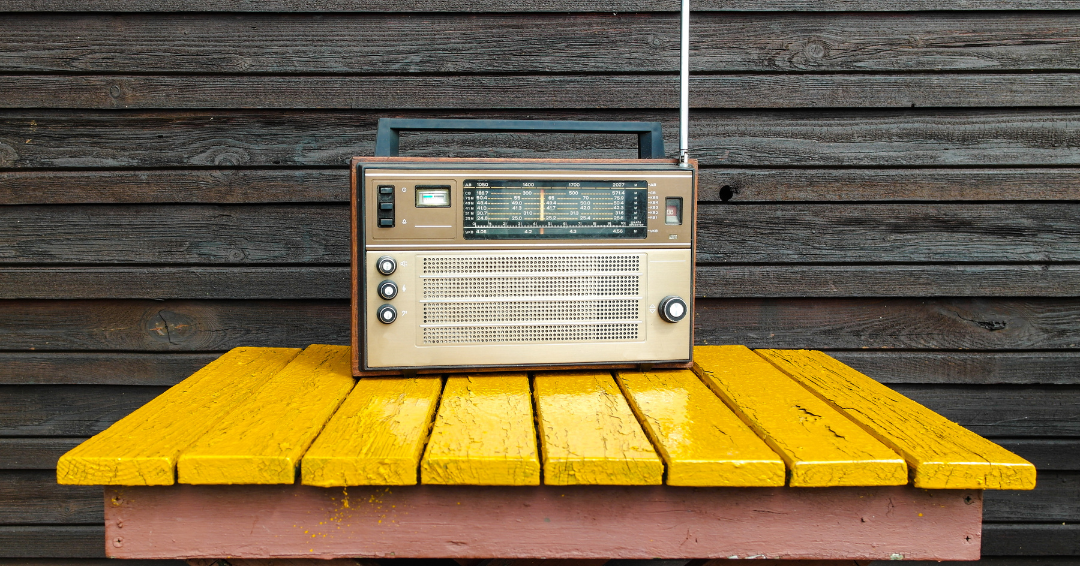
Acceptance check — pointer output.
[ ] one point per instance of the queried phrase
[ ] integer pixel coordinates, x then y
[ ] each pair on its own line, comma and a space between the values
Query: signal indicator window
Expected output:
673, 211
429, 196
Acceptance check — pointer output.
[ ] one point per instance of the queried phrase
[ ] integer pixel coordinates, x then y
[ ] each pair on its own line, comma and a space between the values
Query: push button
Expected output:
386, 223
386, 189
386, 206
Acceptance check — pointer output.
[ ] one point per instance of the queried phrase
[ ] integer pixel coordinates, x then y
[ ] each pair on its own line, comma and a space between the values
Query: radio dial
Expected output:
672, 308
386, 265
388, 290
386, 314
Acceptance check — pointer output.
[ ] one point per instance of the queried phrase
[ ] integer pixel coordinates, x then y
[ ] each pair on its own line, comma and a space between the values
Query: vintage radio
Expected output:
521, 263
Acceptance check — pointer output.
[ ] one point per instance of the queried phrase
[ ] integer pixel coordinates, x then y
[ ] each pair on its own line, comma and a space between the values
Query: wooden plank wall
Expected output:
897, 183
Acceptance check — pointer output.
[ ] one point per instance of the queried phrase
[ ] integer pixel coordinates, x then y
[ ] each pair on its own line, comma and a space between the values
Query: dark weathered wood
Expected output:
85, 562
1003, 411
99, 368
174, 186
337, 6
198, 326
998, 561
1046, 453
1056, 497
716, 185
603, 42
177, 283
33, 497
958, 323
832, 185
34, 453
68, 410
544, 91
735, 281
967, 368
778, 233
881, 138
48, 541
1051, 540
751, 281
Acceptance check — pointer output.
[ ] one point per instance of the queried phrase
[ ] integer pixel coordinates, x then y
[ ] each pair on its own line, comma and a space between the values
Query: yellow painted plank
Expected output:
376, 437
943, 454
589, 435
141, 448
262, 440
702, 442
483, 434
821, 447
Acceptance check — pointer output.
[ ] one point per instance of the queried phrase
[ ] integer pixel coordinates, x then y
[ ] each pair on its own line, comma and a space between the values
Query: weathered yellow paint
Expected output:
588, 433
483, 434
943, 454
821, 447
376, 437
702, 442
141, 448
261, 441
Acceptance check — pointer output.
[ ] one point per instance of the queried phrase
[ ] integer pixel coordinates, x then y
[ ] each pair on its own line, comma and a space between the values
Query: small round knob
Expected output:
672, 308
386, 265
387, 289
386, 314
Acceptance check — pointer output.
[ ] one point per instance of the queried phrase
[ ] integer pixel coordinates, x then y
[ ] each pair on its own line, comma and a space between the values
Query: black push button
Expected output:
386, 206
386, 189
386, 223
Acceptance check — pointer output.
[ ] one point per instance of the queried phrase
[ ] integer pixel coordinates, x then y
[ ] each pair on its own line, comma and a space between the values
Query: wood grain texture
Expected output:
1053, 499
604, 42
377, 435
519, 6
68, 410
941, 454
713, 281
262, 439
30, 497
942, 323
1046, 453
965, 368
34, 453
967, 233
1042, 540
589, 435
484, 433
638, 522
820, 446
739, 138
142, 448
1010, 411
48, 541
958, 90
161, 326
702, 442
99, 368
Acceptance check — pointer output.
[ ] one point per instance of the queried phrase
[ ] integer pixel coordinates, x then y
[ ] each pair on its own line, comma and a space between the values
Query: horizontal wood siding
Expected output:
897, 183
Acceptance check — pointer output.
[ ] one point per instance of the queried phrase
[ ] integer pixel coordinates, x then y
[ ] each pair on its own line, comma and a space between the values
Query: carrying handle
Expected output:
650, 138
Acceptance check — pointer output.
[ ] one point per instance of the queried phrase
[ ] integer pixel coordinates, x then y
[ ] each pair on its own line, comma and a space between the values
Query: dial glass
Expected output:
535, 209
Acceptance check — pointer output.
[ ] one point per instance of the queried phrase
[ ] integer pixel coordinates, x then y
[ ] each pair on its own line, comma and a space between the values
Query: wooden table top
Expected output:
742, 418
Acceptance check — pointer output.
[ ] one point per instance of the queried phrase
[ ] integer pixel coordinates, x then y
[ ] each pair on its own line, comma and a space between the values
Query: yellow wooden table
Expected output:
281, 453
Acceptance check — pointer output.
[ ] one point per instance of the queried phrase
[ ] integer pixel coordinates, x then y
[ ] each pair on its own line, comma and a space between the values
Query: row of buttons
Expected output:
386, 206
386, 265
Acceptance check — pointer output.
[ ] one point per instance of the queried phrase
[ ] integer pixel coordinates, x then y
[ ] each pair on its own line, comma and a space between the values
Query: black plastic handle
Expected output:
650, 138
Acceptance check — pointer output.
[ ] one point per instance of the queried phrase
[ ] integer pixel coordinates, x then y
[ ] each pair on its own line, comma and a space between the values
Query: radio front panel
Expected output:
521, 265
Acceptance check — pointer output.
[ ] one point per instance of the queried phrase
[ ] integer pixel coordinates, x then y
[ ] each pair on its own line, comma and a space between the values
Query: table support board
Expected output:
429, 521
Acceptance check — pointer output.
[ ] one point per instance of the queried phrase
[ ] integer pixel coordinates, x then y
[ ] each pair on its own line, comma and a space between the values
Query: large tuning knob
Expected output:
672, 308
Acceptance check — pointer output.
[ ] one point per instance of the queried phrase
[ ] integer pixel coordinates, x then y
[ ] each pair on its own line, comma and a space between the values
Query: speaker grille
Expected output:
534, 298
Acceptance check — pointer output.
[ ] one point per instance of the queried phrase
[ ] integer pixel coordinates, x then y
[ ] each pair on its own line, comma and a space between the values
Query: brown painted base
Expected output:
542, 522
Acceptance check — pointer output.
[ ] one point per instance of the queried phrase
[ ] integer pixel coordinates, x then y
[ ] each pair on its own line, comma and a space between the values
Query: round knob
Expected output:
672, 308
386, 265
388, 289
386, 314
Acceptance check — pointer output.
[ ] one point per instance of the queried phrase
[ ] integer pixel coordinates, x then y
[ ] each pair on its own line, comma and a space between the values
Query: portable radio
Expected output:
521, 263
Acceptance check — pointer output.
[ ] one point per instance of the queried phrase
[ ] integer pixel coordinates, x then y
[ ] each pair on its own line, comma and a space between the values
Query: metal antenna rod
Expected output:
684, 87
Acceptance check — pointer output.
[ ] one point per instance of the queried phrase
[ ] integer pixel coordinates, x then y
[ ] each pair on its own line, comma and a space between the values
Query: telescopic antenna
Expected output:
684, 87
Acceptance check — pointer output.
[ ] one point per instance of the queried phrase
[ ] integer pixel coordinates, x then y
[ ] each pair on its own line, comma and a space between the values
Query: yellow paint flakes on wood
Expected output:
483, 434
141, 448
943, 454
702, 442
589, 435
376, 437
261, 441
821, 447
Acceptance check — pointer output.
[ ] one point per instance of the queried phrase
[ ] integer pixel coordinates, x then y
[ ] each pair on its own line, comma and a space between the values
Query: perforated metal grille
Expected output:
545, 311
530, 286
538, 333
532, 264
